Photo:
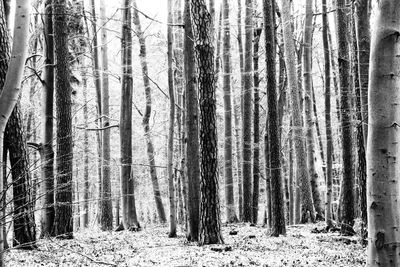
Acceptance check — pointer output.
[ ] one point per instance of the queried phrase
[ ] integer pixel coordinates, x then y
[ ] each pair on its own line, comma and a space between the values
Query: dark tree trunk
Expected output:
210, 224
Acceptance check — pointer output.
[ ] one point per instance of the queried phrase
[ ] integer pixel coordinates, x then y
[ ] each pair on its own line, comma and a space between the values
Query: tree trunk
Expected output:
23, 215
301, 168
226, 84
277, 204
170, 149
246, 109
347, 186
383, 138
291, 182
192, 128
210, 224
146, 116
129, 216
63, 222
307, 86
86, 151
328, 126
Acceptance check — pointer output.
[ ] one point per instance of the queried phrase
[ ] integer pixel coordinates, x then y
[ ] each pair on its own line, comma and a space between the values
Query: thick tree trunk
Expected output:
170, 148
146, 116
129, 216
383, 138
307, 87
347, 186
277, 204
23, 215
228, 142
63, 223
328, 126
246, 109
192, 128
210, 224
106, 196
301, 163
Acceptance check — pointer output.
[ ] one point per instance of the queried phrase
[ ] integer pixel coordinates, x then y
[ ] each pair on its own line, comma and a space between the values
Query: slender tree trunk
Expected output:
291, 181
170, 149
86, 151
192, 128
226, 84
63, 221
328, 126
210, 224
383, 138
347, 186
277, 204
301, 168
307, 86
319, 137
246, 109
129, 216
146, 116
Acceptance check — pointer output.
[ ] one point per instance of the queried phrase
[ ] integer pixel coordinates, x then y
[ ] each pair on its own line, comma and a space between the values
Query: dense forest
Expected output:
199, 133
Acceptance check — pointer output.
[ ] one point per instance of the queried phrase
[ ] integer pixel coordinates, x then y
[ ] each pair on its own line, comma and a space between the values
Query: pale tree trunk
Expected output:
307, 87
347, 186
291, 184
129, 216
238, 113
226, 84
246, 109
328, 126
277, 204
170, 148
301, 163
256, 125
192, 128
383, 138
210, 223
146, 116
86, 151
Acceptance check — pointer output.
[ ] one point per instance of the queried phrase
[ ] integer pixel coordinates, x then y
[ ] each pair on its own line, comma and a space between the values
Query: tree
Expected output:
246, 115
146, 116
382, 148
106, 200
328, 126
129, 217
170, 152
192, 128
226, 85
301, 164
347, 210
210, 225
277, 204
63, 221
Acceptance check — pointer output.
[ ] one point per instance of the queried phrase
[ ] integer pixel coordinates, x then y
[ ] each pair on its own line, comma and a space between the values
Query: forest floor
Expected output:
252, 246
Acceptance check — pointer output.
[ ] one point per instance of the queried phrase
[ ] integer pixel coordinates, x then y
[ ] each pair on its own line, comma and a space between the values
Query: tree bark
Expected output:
146, 116
192, 128
383, 138
301, 163
210, 224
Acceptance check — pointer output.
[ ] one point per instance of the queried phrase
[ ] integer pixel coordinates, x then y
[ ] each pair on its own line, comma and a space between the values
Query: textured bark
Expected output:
277, 203
129, 216
318, 129
307, 87
192, 128
383, 138
210, 224
228, 142
246, 109
63, 221
146, 116
86, 151
256, 125
23, 215
347, 186
328, 126
291, 176
301, 164
363, 49
170, 148
106, 197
